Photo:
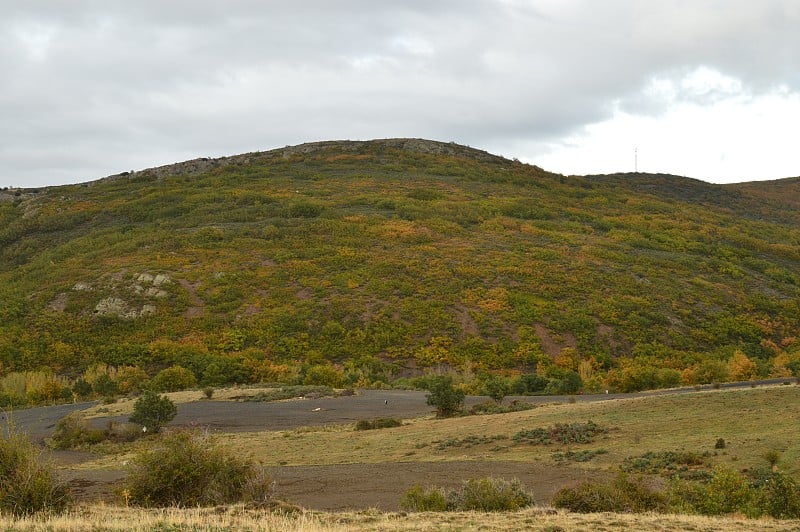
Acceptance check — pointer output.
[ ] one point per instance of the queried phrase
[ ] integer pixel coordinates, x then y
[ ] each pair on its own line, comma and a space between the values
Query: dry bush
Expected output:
28, 483
190, 469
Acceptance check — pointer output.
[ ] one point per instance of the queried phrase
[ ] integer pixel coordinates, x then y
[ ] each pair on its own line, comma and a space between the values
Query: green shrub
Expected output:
491, 407
323, 375
578, 456
419, 499
187, 469
447, 400
293, 392
173, 379
105, 385
378, 423
777, 495
153, 411
495, 387
74, 431
490, 495
467, 441
208, 391
561, 433
530, 383
684, 464
482, 495
81, 388
620, 495
28, 483
727, 491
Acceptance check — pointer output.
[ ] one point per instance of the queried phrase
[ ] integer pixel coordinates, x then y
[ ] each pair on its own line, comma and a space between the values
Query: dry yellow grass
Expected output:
111, 518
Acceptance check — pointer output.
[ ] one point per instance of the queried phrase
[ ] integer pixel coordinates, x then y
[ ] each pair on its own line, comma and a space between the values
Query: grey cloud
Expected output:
126, 85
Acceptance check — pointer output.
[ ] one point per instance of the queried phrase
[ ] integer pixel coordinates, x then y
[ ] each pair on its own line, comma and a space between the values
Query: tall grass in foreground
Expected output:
112, 518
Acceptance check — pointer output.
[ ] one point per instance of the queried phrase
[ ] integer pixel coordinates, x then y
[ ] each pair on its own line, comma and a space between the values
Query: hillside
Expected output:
357, 263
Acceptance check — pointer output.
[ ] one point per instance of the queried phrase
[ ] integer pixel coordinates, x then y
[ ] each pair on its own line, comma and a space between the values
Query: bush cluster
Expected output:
623, 494
683, 464
763, 493
481, 495
189, 469
563, 433
378, 423
74, 431
293, 392
28, 483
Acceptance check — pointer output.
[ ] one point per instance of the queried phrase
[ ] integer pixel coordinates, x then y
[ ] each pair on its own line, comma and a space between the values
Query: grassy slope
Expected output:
350, 250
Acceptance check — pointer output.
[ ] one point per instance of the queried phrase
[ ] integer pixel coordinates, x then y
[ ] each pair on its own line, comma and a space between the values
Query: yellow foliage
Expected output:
567, 358
496, 300
741, 368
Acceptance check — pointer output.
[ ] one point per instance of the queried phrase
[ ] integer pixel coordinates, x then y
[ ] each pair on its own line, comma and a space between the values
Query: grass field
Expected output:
101, 518
751, 421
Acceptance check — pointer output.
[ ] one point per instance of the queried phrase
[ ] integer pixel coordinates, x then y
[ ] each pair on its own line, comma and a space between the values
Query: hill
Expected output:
357, 263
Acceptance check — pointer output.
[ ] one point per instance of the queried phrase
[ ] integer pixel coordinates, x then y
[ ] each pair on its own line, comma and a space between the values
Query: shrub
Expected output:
496, 387
173, 379
105, 385
153, 411
292, 392
491, 407
490, 495
561, 433
28, 483
620, 495
378, 423
131, 379
81, 388
726, 492
482, 495
73, 431
777, 495
208, 391
668, 463
419, 499
530, 383
323, 375
446, 399
188, 469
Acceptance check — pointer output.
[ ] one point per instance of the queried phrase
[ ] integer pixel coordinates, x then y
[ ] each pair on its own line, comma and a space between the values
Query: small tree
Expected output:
446, 399
153, 411
173, 379
496, 387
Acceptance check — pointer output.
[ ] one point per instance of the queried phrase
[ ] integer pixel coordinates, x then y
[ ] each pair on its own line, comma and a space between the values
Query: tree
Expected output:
173, 379
153, 411
741, 368
446, 399
496, 387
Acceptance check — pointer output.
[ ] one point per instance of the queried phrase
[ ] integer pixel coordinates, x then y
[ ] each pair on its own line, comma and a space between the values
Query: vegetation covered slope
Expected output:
359, 262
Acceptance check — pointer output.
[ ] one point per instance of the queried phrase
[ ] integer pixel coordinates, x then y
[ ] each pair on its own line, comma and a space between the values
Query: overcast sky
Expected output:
704, 88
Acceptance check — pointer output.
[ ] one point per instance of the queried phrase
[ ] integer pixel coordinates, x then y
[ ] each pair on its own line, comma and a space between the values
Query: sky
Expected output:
708, 89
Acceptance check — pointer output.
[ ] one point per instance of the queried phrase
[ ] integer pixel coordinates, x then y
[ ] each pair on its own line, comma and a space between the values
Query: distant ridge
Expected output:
204, 164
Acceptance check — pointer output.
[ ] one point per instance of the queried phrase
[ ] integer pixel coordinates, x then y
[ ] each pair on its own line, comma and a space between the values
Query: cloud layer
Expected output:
92, 88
